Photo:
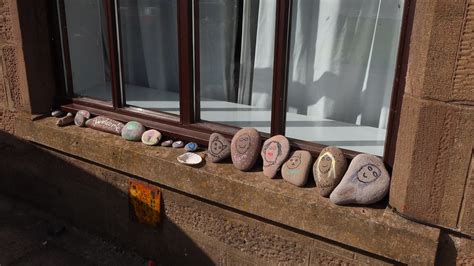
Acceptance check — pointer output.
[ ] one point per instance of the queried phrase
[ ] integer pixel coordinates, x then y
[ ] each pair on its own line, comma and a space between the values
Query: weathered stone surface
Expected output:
274, 152
167, 143
105, 124
178, 144
191, 146
365, 182
80, 120
245, 147
85, 114
219, 148
151, 137
133, 131
329, 169
297, 168
67, 120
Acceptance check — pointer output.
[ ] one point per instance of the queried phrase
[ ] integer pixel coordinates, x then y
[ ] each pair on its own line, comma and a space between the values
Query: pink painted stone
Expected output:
105, 124
244, 148
68, 119
329, 169
274, 152
219, 148
80, 120
84, 113
151, 137
297, 168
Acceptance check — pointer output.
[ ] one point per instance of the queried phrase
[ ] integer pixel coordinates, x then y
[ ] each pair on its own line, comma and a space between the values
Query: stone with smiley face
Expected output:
218, 148
329, 169
296, 169
274, 152
244, 148
365, 182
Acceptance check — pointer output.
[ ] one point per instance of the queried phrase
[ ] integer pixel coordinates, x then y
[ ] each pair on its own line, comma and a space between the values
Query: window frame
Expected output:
187, 125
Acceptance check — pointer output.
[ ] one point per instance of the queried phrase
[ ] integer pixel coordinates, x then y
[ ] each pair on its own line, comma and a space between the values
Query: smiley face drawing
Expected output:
368, 173
294, 161
325, 163
243, 143
217, 146
272, 151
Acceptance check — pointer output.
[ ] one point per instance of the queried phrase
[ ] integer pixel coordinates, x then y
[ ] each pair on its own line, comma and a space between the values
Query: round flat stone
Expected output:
329, 169
245, 146
80, 120
297, 168
133, 131
365, 182
218, 148
274, 152
191, 146
178, 144
151, 137
167, 143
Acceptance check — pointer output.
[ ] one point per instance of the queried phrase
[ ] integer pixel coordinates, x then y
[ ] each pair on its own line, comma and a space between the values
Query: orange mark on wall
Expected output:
145, 202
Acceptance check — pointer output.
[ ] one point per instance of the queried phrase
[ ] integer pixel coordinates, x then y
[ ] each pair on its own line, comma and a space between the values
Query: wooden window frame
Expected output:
187, 125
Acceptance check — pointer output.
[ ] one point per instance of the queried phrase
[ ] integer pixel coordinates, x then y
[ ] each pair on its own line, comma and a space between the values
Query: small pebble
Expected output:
178, 144
191, 146
167, 143
57, 113
68, 119
151, 137
80, 120
133, 131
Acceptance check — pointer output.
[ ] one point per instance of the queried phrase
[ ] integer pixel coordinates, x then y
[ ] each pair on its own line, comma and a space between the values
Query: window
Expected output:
320, 72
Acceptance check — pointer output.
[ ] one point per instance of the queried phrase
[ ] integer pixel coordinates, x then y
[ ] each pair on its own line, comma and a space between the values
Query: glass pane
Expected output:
88, 50
149, 39
236, 61
342, 64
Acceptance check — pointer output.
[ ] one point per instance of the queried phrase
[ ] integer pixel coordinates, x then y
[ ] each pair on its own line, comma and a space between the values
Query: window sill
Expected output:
377, 231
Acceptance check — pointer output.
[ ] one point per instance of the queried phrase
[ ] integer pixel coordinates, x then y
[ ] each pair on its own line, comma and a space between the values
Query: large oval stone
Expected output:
297, 168
133, 131
245, 147
219, 148
85, 114
105, 124
274, 152
329, 169
80, 120
365, 182
151, 137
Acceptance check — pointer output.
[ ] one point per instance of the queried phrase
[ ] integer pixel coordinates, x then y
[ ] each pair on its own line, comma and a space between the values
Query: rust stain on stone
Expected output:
144, 200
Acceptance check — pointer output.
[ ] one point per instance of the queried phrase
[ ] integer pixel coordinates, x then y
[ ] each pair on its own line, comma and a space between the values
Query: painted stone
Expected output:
365, 182
133, 131
57, 113
85, 114
274, 152
191, 146
151, 137
105, 124
297, 168
219, 148
167, 143
329, 169
177, 144
244, 148
189, 158
80, 120
68, 119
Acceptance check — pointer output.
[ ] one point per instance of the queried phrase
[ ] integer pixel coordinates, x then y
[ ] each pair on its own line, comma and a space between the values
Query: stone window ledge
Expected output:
378, 231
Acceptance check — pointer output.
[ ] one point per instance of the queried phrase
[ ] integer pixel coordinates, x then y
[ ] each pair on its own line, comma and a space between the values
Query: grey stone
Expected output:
133, 131
365, 182
219, 147
274, 152
68, 119
245, 147
178, 144
57, 113
105, 124
80, 120
85, 114
191, 146
151, 137
329, 169
167, 143
297, 168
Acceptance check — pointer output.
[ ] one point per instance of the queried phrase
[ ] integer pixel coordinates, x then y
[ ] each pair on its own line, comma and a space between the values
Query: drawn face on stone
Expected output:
325, 163
294, 161
243, 143
217, 146
272, 151
368, 173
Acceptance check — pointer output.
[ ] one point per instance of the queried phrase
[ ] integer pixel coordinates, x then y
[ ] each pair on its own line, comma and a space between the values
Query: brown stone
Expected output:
245, 146
274, 152
218, 148
297, 168
329, 169
67, 120
105, 124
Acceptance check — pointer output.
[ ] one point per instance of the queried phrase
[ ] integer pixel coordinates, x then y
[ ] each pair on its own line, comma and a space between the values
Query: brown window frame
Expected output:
187, 125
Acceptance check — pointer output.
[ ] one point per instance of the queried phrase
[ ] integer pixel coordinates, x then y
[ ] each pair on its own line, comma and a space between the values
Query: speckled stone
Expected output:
133, 131
85, 114
365, 182
191, 146
151, 137
219, 148
57, 113
245, 147
68, 119
80, 120
167, 143
297, 168
329, 169
105, 124
274, 152
177, 144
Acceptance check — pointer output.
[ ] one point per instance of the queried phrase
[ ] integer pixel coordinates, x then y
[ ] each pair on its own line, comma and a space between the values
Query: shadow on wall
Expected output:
89, 197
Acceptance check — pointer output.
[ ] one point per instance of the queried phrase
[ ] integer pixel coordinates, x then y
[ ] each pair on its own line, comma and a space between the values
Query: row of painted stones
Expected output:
366, 181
